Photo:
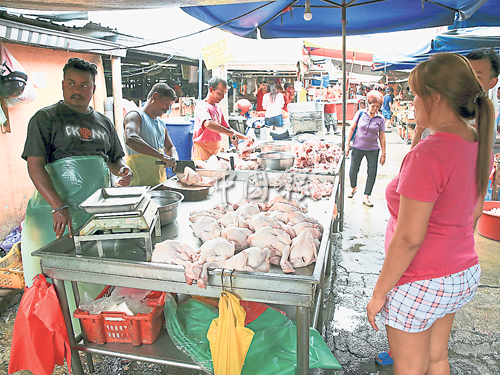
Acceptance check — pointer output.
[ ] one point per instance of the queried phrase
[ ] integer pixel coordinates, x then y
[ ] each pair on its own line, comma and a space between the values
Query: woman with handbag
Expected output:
369, 125
273, 103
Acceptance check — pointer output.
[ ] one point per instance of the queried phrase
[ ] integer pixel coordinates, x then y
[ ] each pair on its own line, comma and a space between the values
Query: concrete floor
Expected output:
358, 257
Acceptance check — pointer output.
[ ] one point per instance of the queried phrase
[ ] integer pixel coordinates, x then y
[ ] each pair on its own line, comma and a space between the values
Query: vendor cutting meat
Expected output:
147, 138
209, 122
70, 149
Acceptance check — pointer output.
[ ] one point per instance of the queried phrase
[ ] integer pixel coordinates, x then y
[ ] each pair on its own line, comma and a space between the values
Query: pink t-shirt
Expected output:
440, 169
206, 111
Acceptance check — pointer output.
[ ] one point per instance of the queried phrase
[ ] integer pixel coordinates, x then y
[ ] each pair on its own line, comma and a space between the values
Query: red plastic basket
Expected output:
119, 327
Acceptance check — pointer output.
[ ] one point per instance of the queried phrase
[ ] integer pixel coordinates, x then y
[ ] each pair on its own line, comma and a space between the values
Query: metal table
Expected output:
125, 265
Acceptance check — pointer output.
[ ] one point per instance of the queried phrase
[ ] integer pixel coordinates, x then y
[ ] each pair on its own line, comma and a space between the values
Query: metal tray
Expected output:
114, 199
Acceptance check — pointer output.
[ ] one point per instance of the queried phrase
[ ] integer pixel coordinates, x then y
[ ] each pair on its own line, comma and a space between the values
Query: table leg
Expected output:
76, 293
302, 340
76, 364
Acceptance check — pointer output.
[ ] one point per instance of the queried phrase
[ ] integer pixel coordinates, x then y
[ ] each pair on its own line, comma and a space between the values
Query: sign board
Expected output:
216, 54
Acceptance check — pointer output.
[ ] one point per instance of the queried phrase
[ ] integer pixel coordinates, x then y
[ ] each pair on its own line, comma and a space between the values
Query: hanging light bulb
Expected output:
307, 13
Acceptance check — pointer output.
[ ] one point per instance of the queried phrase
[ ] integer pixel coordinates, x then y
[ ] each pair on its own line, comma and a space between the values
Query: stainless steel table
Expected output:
124, 264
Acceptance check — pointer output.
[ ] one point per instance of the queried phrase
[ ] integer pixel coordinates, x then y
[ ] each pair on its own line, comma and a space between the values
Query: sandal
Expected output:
352, 193
366, 202
384, 358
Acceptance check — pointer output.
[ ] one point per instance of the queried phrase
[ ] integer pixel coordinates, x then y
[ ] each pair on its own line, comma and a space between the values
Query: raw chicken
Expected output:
316, 157
173, 252
264, 219
206, 228
238, 235
304, 249
277, 240
248, 209
284, 207
292, 218
292, 202
278, 216
245, 165
237, 262
213, 163
170, 251
195, 215
298, 228
232, 219
192, 178
215, 250
245, 149
258, 258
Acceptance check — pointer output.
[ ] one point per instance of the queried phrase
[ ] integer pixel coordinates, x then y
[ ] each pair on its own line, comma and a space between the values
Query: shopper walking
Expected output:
431, 267
370, 132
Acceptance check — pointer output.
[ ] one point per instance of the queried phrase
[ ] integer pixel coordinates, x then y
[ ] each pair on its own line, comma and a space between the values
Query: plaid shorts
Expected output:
415, 306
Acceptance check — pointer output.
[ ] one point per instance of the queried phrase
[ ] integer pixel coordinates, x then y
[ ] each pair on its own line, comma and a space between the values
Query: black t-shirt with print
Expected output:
58, 132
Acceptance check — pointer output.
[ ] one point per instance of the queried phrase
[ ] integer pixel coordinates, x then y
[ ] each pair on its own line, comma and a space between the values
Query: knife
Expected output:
180, 164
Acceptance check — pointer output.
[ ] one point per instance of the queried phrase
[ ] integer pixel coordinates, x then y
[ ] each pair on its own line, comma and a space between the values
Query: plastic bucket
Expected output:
489, 225
179, 132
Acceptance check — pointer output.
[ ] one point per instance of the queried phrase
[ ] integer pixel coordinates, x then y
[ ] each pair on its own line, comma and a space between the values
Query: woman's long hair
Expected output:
272, 92
451, 76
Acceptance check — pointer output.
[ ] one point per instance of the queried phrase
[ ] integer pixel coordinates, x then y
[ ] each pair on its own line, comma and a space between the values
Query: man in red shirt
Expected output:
260, 95
330, 111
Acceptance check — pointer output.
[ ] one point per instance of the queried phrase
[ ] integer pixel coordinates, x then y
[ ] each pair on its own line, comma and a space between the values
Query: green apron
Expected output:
75, 179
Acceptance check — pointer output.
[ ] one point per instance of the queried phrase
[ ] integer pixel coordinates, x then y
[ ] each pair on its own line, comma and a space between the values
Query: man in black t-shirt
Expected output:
71, 128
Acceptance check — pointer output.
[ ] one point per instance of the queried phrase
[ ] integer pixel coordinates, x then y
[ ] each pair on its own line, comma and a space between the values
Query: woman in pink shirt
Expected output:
431, 268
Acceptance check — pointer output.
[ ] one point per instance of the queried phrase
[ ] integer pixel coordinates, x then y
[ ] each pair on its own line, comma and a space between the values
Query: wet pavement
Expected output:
474, 347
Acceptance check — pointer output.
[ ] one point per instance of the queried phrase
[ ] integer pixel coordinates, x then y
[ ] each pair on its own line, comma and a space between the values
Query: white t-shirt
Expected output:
273, 108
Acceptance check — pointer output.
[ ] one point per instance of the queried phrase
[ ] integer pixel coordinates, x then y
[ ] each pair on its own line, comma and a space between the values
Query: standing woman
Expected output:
431, 268
273, 103
370, 126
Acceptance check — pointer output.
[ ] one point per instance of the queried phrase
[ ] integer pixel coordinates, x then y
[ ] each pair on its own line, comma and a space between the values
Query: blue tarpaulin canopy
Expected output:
460, 41
285, 18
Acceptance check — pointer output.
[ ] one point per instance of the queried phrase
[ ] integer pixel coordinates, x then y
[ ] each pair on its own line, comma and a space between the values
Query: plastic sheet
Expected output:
273, 348
128, 300
146, 171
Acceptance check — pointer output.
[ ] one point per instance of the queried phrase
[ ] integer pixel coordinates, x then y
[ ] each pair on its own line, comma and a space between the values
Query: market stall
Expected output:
123, 262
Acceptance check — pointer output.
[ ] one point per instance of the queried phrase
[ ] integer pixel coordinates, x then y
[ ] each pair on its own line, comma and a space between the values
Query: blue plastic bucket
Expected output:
179, 131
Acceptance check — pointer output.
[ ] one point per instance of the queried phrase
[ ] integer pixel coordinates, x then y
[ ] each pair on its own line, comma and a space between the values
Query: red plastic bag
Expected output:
40, 340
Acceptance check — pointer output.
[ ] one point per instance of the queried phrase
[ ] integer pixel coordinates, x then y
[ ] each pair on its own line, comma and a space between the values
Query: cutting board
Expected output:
191, 193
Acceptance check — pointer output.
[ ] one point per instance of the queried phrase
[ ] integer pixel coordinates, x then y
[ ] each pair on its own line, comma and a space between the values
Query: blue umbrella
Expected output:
460, 41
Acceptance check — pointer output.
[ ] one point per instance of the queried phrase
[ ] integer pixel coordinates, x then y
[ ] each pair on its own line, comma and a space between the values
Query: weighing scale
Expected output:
112, 225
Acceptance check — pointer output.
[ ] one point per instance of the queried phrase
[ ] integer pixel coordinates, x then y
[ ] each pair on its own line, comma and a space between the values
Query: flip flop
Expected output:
384, 358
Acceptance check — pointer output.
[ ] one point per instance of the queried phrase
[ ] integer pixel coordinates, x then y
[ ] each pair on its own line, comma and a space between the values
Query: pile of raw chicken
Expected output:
246, 237
242, 160
316, 157
315, 189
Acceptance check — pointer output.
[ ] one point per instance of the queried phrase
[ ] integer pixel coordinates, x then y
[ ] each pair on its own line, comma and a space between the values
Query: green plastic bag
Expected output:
273, 348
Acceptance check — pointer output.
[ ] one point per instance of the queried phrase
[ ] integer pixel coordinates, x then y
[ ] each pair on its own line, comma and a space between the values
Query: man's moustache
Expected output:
76, 97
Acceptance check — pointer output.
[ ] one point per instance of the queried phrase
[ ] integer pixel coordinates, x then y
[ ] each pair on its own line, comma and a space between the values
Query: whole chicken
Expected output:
304, 249
232, 219
215, 250
298, 228
284, 207
238, 236
292, 218
277, 240
206, 228
258, 258
292, 202
237, 262
195, 215
248, 209
264, 219
173, 252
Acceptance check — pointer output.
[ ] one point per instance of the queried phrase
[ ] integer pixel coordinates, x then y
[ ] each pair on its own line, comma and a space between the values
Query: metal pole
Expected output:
344, 106
302, 340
